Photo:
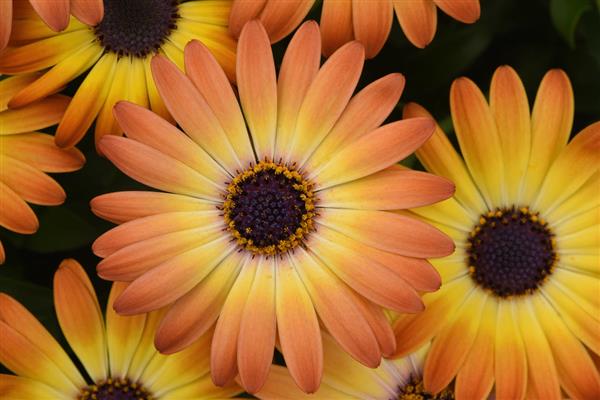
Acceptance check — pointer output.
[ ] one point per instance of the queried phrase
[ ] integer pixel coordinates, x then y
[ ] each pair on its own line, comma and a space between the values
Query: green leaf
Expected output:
565, 16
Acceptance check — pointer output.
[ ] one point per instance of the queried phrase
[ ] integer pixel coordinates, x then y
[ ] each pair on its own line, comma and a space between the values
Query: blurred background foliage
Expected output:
532, 36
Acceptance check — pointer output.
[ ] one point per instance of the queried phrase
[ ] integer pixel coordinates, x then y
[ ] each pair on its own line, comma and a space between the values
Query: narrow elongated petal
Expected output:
299, 67
5, 23
193, 314
80, 317
256, 341
298, 328
18, 387
466, 11
365, 111
29, 183
10, 86
478, 138
282, 17
336, 25
257, 85
90, 12
418, 19
379, 323
390, 189
243, 11
15, 214
375, 151
55, 13
372, 22
327, 97
36, 116
510, 360
39, 151
121, 85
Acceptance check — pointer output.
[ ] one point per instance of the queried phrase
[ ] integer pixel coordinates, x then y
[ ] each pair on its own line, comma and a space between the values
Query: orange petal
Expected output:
511, 360
120, 207
390, 189
80, 317
35, 116
171, 279
87, 102
123, 334
258, 87
243, 11
280, 18
25, 324
207, 75
366, 111
452, 343
224, 347
372, 22
439, 157
10, 86
338, 310
31, 184
377, 283
54, 13
326, 98
18, 387
551, 122
478, 137
156, 169
256, 341
39, 151
509, 106
375, 151
147, 127
298, 70
379, 323
336, 25
194, 313
2, 254
466, 11
418, 19
389, 232
298, 327
15, 214
5, 23
281, 386
192, 112
476, 376
90, 12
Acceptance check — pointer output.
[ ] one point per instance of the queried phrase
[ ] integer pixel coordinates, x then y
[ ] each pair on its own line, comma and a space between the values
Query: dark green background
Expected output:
530, 35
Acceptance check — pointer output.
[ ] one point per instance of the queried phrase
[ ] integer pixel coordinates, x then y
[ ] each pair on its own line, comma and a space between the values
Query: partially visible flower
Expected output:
345, 378
278, 17
117, 53
370, 21
55, 13
519, 308
277, 213
25, 156
116, 352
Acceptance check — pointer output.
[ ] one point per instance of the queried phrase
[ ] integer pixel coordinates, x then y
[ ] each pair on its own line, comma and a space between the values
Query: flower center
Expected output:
269, 208
511, 252
115, 389
414, 390
136, 27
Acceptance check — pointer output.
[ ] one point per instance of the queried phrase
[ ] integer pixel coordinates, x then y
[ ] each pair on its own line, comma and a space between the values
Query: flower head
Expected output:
262, 231
26, 156
116, 352
518, 306
117, 53
55, 14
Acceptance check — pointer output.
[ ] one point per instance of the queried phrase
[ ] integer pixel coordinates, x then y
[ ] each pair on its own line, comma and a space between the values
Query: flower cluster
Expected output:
277, 219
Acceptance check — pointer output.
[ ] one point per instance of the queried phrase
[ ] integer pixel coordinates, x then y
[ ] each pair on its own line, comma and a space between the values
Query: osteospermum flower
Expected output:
519, 306
117, 53
116, 352
342, 21
263, 231
344, 378
25, 156
54, 13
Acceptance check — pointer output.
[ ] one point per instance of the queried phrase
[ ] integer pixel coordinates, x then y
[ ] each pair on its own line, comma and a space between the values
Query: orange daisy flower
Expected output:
344, 378
116, 352
25, 156
54, 13
519, 308
342, 21
117, 53
262, 231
